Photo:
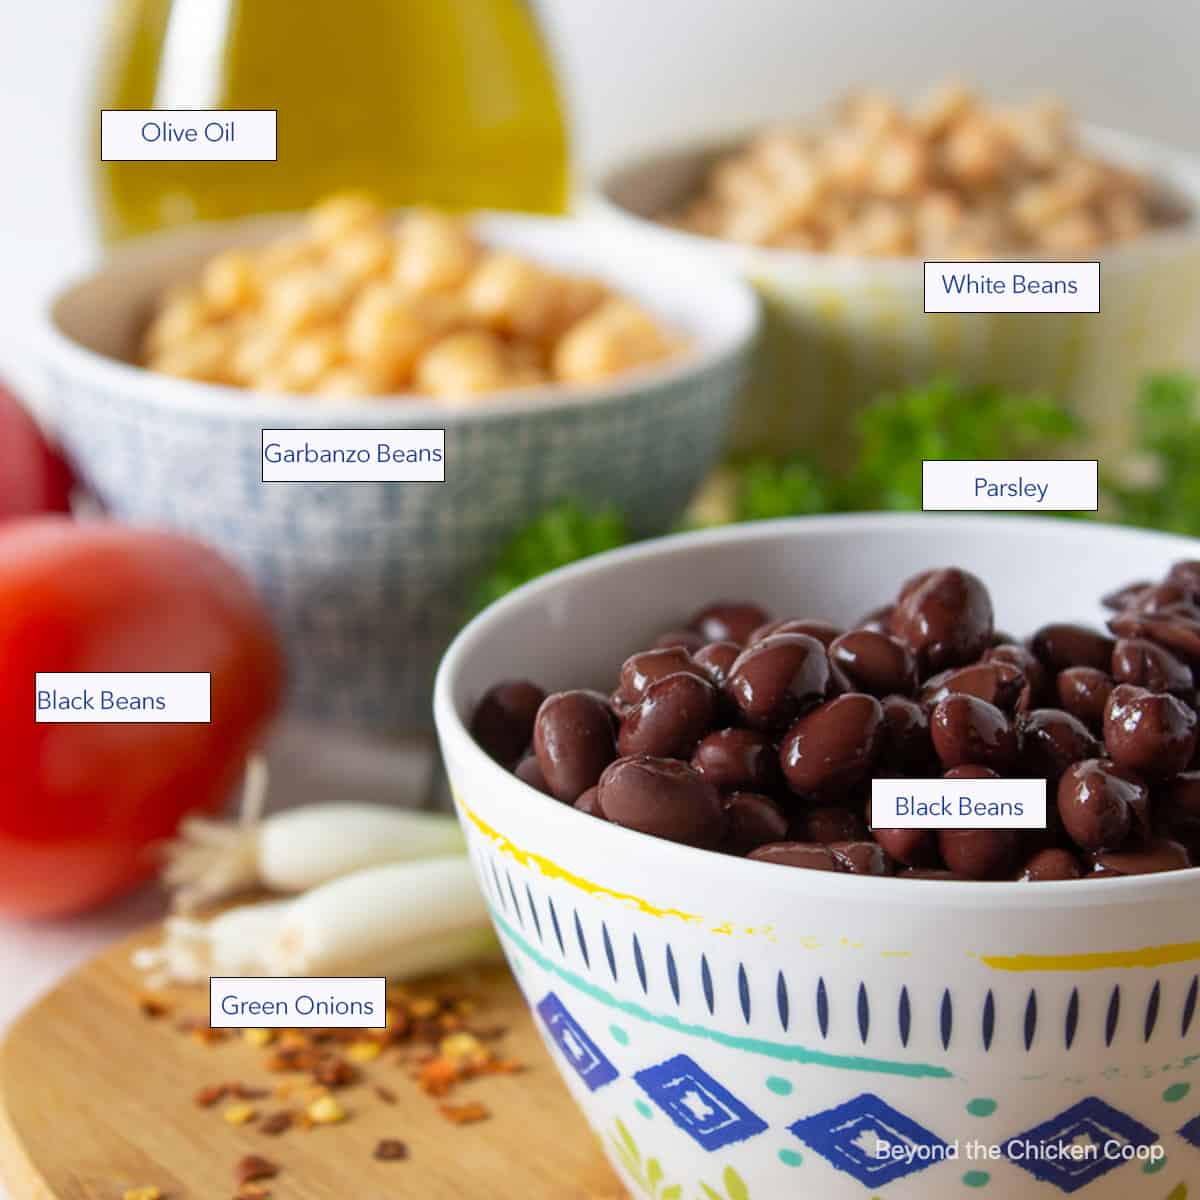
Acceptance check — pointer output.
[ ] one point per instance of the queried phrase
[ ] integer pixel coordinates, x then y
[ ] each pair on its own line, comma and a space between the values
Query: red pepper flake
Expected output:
206, 1097
390, 1150
435, 1044
427, 1031
153, 1007
276, 1123
465, 1114
293, 1058
335, 1072
252, 1168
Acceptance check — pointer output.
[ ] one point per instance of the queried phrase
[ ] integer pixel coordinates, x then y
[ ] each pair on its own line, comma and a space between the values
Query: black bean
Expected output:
834, 747
503, 720
573, 740
1099, 804
1084, 692
1149, 732
775, 680
753, 821
945, 618
966, 729
673, 715
728, 621
1051, 740
737, 759
1063, 645
796, 854
664, 798
875, 663
979, 853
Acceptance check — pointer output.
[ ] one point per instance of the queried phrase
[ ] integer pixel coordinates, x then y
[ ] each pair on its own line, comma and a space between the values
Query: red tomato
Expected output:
34, 477
81, 806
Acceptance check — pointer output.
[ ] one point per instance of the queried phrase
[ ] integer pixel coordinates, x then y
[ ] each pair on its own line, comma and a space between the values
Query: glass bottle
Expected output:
451, 103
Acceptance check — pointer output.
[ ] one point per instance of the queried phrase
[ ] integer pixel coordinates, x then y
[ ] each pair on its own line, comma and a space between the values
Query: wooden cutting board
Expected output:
96, 1097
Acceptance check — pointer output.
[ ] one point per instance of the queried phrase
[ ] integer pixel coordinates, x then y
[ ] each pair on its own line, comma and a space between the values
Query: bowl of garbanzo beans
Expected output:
562, 364
832, 218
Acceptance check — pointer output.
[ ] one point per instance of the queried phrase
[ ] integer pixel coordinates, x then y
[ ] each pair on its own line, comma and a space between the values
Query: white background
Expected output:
639, 72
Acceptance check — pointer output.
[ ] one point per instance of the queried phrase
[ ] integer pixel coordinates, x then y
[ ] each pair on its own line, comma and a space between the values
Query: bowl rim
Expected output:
1179, 168
559, 819
58, 347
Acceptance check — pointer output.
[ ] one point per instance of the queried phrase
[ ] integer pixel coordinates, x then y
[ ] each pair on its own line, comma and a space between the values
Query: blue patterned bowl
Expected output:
735, 1030
368, 581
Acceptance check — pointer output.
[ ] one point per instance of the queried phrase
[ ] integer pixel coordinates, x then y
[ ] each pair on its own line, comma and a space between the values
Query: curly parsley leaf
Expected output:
791, 487
1168, 433
945, 419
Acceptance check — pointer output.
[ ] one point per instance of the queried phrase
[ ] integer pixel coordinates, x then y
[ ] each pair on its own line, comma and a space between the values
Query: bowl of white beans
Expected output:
832, 218
561, 361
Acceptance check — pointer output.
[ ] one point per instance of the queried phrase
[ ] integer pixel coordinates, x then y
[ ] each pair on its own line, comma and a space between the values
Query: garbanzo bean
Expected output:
387, 332
348, 383
184, 314
287, 253
464, 364
617, 337
203, 355
230, 282
950, 178
511, 295
256, 353
308, 358
364, 255
304, 297
436, 253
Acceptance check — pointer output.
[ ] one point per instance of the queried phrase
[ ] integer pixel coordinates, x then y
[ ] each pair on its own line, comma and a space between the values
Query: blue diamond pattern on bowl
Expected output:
1191, 1132
1068, 1150
588, 1060
698, 1104
853, 1137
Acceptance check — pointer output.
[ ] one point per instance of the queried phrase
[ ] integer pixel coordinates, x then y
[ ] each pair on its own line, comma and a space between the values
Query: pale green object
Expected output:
402, 920
298, 849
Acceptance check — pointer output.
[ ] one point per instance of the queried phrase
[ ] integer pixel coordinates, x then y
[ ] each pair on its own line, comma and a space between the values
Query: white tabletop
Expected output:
35, 955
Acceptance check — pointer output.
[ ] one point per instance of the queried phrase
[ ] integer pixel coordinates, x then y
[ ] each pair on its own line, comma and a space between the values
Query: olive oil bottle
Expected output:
450, 103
